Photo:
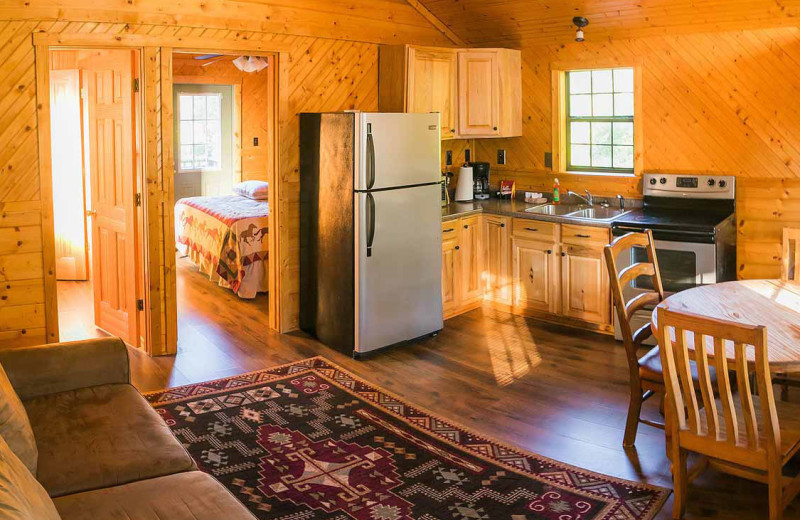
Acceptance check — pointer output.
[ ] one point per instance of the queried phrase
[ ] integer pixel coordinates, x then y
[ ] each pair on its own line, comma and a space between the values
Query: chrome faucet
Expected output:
588, 198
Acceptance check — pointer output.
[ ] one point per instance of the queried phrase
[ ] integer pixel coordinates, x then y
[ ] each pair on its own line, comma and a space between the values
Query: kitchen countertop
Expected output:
512, 208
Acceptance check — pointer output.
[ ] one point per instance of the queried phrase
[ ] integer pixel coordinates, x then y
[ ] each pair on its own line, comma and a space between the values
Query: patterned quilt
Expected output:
226, 237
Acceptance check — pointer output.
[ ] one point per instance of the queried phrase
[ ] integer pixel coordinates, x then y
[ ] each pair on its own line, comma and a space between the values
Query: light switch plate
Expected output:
448, 157
501, 156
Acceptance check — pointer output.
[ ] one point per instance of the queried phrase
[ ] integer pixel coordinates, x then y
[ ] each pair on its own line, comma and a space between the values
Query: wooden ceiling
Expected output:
525, 23
375, 21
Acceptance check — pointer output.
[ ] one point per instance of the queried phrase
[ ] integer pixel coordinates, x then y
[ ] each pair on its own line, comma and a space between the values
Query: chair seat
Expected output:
788, 418
650, 368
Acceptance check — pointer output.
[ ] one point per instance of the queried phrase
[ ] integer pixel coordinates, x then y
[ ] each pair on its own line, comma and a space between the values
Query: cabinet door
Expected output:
585, 293
450, 268
478, 93
534, 271
432, 85
498, 259
471, 259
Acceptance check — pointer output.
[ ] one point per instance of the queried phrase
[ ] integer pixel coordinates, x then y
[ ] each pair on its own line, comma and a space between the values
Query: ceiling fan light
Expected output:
250, 63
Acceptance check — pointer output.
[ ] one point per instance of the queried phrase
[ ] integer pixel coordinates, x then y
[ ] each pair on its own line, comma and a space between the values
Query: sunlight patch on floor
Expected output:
512, 349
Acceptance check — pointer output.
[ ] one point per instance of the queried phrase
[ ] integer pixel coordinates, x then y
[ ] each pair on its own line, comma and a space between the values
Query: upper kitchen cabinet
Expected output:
478, 92
490, 93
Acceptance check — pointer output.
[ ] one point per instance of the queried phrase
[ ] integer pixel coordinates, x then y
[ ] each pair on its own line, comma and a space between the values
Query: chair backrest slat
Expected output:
725, 394
747, 430
704, 382
790, 259
745, 397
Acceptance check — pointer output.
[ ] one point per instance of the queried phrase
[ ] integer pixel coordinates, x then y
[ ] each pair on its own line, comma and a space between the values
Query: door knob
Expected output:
91, 213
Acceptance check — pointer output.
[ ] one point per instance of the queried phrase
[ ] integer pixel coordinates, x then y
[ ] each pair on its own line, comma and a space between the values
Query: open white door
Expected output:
108, 80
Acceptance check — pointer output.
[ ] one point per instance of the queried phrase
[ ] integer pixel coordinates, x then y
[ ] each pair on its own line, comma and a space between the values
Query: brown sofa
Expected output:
70, 417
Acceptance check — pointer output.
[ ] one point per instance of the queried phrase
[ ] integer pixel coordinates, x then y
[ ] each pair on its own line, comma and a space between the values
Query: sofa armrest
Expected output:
59, 367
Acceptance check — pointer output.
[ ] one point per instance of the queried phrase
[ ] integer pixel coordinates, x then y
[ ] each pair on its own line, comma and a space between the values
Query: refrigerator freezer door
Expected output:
398, 266
398, 150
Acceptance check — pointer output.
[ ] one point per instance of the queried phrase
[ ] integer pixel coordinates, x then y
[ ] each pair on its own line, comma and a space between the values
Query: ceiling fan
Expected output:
243, 63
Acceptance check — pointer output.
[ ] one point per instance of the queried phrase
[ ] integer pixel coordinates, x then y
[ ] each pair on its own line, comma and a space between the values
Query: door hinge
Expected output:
138, 199
136, 84
139, 305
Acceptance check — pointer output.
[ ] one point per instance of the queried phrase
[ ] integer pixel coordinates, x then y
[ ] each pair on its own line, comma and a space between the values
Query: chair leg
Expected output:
632, 425
680, 480
775, 483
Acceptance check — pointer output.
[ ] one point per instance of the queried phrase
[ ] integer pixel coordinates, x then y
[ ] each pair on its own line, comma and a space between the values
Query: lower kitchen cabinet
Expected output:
497, 266
462, 265
585, 291
535, 275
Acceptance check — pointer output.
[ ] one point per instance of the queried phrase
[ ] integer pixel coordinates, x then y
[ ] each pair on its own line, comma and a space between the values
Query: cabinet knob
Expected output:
549, 251
458, 247
495, 129
453, 130
466, 226
503, 224
563, 253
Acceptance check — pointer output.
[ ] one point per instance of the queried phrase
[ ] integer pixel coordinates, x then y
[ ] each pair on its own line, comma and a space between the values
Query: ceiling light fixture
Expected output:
250, 63
580, 22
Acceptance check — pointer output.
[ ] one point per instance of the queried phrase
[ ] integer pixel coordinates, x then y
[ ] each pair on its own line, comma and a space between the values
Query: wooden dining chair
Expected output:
646, 378
743, 432
790, 271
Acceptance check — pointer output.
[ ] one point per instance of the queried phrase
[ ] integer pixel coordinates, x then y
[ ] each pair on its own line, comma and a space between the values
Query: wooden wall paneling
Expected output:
48, 252
170, 343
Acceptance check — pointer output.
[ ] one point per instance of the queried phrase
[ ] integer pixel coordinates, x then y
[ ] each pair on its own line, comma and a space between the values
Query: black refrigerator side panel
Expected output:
327, 263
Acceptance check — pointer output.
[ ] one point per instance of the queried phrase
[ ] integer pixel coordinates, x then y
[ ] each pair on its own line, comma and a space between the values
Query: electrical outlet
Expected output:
255, 141
467, 156
501, 156
448, 157
548, 160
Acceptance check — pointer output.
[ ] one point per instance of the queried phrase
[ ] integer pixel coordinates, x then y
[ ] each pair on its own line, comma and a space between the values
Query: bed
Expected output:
227, 238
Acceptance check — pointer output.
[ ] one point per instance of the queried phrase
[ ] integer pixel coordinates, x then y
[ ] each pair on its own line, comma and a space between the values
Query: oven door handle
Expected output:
696, 237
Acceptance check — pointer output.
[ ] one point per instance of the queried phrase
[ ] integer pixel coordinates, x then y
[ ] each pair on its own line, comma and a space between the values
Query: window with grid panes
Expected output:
200, 132
599, 105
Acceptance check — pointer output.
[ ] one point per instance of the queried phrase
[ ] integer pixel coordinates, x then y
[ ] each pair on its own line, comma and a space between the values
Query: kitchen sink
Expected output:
555, 209
597, 213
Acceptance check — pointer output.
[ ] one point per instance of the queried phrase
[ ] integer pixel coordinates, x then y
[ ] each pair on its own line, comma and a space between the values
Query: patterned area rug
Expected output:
310, 441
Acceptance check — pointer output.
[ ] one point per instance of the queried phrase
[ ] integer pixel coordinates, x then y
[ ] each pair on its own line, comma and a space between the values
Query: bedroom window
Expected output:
599, 116
200, 131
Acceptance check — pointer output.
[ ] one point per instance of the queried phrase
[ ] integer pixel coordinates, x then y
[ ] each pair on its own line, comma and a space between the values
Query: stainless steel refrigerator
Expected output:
370, 228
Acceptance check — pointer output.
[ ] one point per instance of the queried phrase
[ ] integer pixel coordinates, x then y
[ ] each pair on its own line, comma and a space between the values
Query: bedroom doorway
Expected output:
223, 131
95, 143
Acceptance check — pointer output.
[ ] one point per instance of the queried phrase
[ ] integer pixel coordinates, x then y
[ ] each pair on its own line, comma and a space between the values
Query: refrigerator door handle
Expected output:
370, 158
370, 222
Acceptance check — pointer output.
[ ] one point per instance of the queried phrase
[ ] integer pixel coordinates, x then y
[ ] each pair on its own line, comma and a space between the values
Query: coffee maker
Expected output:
480, 173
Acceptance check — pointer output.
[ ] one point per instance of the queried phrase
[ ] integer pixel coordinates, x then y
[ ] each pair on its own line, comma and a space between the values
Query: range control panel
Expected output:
690, 186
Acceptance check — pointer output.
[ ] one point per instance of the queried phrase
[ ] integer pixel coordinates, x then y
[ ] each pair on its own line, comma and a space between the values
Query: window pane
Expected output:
213, 106
601, 156
199, 107
199, 132
601, 81
602, 105
623, 80
580, 106
186, 158
623, 157
623, 104
623, 133
579, 132
185, 107
601, 133
580, 82
580, 155
186, 132
200, 156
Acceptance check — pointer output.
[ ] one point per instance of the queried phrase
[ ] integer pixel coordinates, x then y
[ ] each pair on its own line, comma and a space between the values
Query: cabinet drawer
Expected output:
534, 229
450, 229
581, 235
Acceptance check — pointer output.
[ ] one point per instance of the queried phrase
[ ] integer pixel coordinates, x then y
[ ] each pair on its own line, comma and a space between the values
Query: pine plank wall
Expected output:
722, 103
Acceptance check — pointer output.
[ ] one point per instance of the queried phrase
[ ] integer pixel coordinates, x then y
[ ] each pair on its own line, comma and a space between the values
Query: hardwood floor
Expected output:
554, 391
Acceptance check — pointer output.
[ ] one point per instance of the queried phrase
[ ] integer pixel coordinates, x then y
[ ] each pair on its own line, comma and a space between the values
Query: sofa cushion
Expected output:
15, 427
101, 436
21, 497
192, 495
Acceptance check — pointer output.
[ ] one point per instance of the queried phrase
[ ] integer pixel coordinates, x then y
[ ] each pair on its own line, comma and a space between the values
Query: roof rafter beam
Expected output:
436, 22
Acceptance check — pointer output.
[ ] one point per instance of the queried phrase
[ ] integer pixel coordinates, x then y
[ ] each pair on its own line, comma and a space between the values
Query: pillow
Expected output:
15, 427
256, 190
21, 495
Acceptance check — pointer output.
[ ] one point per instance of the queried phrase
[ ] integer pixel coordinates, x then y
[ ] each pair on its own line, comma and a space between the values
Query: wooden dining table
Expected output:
774, 304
